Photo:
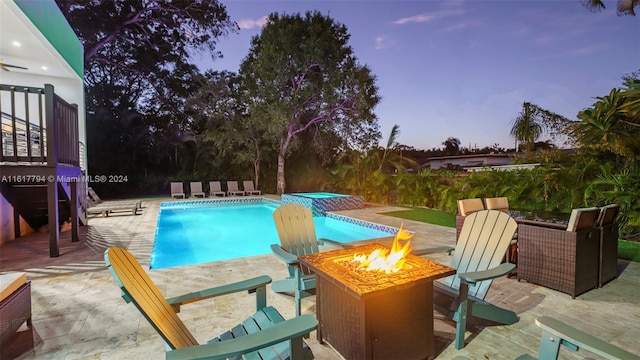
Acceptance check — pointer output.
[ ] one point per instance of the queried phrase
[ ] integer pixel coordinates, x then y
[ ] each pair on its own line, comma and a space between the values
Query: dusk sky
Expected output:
464, 68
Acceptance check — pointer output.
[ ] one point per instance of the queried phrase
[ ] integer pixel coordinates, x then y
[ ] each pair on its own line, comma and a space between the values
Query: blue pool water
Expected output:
186, 236
319, 195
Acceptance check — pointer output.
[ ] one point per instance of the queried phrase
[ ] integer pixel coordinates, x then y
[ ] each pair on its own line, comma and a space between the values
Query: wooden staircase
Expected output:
29, 200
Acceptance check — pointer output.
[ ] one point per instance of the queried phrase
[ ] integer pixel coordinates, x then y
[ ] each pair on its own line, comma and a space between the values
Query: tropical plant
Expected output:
612, 123
451, 146
301, 75
624, 7
533, 121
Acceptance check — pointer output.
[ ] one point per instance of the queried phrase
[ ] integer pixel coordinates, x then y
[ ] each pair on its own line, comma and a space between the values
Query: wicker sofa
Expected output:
15, 304
563, 258
608, 232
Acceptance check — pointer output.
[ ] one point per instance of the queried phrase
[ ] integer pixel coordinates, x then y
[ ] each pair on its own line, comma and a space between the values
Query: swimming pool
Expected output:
193, 233
319, 195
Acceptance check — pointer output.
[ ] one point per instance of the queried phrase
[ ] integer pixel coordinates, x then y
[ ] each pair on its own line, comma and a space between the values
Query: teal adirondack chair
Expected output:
297, 233
264, 335
483, 242
556, 333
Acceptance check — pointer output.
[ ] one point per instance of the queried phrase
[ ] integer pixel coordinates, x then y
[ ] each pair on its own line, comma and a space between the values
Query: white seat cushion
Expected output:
10, 283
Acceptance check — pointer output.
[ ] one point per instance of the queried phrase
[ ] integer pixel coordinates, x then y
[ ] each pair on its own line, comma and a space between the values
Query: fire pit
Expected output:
374, 314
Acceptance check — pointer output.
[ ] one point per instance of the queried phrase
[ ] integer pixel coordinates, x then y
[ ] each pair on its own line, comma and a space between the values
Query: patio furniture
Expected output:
556, 333
99, 207
502, 204
215, 189
177, 190
563, 258
478, 255
497, 203
265, 332
232, 188
466, 207
249, 189
608, 228
297, 233
196, 189
15, 304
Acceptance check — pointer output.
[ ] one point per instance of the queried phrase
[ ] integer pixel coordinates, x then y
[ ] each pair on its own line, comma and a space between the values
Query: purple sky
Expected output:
464, 68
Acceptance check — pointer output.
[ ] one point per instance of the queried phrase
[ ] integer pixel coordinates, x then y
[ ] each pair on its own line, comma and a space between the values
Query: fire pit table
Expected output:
372, 314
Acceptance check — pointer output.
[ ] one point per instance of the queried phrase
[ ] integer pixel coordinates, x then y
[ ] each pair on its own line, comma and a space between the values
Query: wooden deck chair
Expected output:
196, 189
297, 233
99, 207
264, 335
556, 333
215, 189
483, 242
177, 190
249, 189
232, 188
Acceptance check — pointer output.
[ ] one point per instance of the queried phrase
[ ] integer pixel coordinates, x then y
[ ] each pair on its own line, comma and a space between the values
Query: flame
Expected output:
387, 260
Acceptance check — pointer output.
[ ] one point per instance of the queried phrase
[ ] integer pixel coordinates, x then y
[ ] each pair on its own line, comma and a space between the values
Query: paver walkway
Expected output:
78, 312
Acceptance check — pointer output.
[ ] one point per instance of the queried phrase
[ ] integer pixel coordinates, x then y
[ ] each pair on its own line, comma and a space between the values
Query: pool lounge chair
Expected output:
196, 189
249, 189
99, 207
265, 332
215, 189
177, 190
232, 188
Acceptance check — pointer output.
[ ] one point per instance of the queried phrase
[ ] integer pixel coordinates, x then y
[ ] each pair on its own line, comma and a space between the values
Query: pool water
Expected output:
319, 195
186, 236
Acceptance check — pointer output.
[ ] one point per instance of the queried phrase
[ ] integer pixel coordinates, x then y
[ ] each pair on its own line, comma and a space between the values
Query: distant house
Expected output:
462, 162
42, 118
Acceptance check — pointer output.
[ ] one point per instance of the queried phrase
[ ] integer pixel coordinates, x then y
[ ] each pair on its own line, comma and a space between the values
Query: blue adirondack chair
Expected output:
297, 233
264, 335
484, 239
556, 333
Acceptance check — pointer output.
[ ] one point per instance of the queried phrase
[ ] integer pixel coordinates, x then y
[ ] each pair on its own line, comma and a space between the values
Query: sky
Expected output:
464, 68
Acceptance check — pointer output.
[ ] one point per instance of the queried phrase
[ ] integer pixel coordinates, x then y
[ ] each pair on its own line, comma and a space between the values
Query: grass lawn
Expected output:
430, 216
627, 250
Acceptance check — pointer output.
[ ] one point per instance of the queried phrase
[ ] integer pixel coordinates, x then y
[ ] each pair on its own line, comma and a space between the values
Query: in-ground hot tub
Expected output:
321, 202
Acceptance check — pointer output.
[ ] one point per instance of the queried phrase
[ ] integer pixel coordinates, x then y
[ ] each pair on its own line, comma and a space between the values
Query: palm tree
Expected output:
624, 7
451, 146
527, 127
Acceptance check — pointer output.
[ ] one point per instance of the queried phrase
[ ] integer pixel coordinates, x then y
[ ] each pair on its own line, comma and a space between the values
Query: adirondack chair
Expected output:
556, 333
483, 242
297, 233
265, 335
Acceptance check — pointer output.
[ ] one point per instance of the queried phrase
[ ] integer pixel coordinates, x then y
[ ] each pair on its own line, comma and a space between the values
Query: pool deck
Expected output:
78, 312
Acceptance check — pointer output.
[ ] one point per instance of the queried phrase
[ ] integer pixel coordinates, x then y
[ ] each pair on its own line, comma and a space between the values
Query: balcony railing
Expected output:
38, 126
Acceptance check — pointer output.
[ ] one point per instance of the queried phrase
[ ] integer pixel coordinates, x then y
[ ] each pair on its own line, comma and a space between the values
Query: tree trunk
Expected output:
282, 155
280, 179
256, 167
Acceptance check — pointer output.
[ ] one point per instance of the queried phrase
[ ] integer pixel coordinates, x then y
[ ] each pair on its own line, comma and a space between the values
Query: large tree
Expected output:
302, 75
451, 146
138, 62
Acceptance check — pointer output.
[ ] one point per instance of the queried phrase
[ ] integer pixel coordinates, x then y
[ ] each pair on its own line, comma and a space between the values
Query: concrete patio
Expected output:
78, 312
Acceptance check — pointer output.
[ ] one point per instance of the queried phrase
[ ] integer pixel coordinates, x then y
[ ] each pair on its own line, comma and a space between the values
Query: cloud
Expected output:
429, 16
246, 24
384, 42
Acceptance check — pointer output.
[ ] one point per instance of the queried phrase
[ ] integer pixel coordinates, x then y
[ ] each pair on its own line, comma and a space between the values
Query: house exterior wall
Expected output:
6, 222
